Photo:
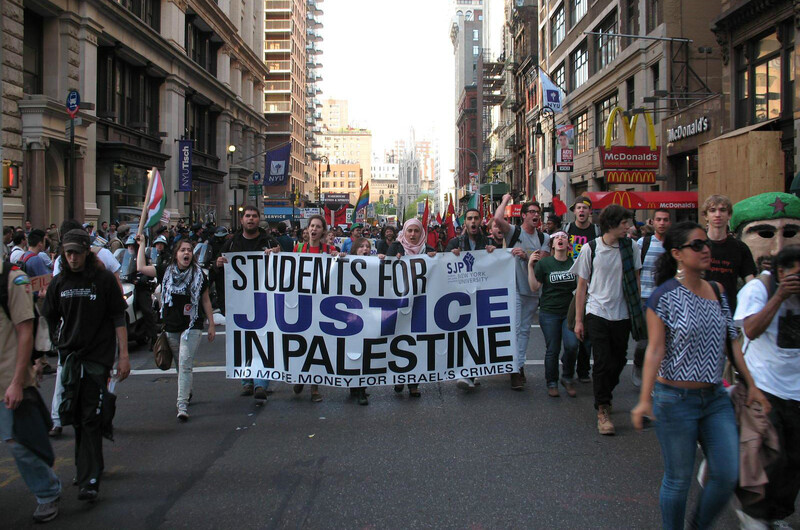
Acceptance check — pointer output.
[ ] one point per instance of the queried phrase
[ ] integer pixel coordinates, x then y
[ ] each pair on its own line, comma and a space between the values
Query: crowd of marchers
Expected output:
687, 294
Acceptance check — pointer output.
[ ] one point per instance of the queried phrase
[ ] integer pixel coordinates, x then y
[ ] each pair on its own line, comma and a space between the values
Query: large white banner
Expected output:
360, 321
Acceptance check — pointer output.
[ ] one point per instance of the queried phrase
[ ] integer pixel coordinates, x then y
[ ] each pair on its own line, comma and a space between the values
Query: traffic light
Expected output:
10, 175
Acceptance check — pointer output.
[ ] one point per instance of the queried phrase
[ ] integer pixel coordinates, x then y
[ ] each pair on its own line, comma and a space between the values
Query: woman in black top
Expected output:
184, 306
410, 241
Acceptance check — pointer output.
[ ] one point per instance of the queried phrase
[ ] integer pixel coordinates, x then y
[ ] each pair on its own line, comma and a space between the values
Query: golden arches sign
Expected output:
629, 156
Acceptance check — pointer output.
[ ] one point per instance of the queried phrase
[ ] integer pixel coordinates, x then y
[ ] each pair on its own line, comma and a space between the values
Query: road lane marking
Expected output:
218, 369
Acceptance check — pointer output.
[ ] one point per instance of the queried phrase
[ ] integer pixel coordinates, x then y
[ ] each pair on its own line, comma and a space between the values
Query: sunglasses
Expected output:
697, 245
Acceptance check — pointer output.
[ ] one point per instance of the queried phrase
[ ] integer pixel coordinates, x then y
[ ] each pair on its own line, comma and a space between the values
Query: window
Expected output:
557, 28
558, 75
577, 8
630, 93
581, 123
602, 112
125, 93
476, 50
351, 184
476, 35
607, 45
325, 184
199, 46
653, 15
578, 66
201, 125
149, 11
631, 17
32, 48
764, 77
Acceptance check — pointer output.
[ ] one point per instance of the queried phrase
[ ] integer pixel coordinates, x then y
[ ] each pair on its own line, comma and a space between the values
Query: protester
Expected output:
18, 383
388, 235
472, 239
553, 224
8, 235
355, 233
251, 238
110, 263
730, 258
34, 257
330, 240
284, 240
552, 274
769, 314
85, 304
688, 320
603, 307
580, 233
19, 246
185, 304
28, 227
651, 249
523, 240
410, 242
495, 234
361, 247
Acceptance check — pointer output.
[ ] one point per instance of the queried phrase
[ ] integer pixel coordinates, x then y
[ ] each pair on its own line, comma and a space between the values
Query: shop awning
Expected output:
644, 200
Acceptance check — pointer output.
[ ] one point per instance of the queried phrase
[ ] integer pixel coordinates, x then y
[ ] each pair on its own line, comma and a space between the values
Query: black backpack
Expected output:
518, 232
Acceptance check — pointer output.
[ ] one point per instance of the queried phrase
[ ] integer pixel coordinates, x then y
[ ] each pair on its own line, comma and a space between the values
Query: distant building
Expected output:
383, 184
348, 146
343, 178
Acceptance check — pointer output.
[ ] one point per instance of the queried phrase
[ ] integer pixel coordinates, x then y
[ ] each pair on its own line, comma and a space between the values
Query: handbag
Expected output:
162, 353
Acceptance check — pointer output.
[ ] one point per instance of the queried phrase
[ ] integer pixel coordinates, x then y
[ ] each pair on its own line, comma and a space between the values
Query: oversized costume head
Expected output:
767, 223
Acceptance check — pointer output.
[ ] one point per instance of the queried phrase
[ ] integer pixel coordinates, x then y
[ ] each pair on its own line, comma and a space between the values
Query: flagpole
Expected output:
142, 219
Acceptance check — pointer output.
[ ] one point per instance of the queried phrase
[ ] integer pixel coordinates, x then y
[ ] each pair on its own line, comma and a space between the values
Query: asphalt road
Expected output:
491, 459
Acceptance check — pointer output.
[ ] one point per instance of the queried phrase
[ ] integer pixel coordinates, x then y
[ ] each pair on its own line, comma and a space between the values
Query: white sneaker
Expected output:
779, 524
465, 384
183, 415
750, 523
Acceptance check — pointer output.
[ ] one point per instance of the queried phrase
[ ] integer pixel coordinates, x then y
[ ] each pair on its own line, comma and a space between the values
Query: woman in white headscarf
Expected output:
410, 241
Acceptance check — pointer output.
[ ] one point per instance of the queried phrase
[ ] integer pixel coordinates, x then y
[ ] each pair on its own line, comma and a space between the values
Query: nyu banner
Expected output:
361, 321
277, 166
185, 165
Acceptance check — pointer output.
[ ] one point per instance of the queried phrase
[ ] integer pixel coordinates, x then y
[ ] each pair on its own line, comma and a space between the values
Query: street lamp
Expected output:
232, 149
548, 113
319, 177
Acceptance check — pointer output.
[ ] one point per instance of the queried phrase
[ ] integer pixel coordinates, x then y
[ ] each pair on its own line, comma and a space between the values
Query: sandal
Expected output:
413, 391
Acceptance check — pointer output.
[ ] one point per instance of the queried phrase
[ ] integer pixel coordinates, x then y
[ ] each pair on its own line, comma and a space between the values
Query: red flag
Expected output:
559, 207
439, 217
448, 219
336, 217
426, 215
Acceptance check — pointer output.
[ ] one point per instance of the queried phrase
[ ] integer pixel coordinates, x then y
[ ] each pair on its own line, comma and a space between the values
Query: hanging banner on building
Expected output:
630, 177
551, 93
277, 166
565, 148
185, 165
362, 321
629, 156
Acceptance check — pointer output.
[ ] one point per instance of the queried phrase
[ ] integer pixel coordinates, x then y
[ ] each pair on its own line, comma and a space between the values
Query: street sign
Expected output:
256, 177
73, 103
338, 198
255, 189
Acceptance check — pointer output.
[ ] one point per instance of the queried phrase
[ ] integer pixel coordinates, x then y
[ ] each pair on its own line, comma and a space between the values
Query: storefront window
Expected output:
204, 202
128, 188
764, 77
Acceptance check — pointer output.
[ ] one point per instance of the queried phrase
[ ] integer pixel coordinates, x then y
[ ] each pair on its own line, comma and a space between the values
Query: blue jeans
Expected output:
555, 331
40, 478
263, 383
526, 307
683, 418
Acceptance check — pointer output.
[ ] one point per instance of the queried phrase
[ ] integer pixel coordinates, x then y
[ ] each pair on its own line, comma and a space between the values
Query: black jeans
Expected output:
584, 367
88, 430
610, 350
146, 327
784, 473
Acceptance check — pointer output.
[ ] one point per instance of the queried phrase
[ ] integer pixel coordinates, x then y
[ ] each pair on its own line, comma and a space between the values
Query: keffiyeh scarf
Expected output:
187, 282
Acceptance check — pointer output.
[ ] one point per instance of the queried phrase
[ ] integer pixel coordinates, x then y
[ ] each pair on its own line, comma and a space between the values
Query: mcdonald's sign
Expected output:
627, 200
630, 177
630, 156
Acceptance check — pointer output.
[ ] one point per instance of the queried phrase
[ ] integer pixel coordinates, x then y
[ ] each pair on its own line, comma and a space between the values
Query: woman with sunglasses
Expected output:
687, 325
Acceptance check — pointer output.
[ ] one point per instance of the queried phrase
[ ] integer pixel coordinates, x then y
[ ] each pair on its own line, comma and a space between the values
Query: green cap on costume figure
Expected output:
766, 206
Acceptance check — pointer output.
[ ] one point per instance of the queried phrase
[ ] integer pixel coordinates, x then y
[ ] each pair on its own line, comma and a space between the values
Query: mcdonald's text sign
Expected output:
637, 157
630, 177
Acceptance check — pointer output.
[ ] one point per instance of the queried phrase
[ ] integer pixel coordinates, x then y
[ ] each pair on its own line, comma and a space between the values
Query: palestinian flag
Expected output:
156, 201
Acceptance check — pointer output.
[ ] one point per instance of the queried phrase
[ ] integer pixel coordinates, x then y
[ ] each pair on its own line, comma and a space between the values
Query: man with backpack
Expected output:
651, 249
523, 240
607, 304
581, 232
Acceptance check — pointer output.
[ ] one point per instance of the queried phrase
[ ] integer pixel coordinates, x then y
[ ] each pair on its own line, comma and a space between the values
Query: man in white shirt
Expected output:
768, 311
601, 311
20, 245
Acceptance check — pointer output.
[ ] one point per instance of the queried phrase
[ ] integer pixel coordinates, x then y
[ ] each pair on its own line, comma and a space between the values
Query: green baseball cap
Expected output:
766, 206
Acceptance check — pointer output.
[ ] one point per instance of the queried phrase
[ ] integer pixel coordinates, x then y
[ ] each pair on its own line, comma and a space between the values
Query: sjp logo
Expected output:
465, 265
469, 261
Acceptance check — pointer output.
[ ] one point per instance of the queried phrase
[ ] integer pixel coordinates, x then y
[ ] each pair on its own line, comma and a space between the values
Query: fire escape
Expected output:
492, 94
